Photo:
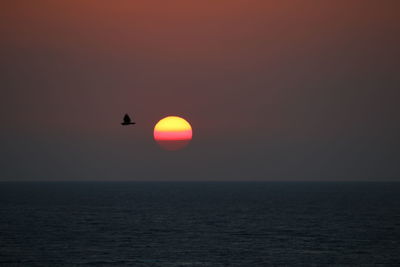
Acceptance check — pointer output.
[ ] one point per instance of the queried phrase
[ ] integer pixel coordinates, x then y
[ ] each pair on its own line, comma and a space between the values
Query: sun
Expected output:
173, 133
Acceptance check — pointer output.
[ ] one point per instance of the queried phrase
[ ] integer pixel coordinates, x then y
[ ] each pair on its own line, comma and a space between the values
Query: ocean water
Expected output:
199, 224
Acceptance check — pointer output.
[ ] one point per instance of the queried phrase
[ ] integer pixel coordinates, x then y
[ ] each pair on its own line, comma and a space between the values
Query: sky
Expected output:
274, 90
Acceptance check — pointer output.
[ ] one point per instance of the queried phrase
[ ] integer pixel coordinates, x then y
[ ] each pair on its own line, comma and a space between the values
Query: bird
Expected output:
127, 120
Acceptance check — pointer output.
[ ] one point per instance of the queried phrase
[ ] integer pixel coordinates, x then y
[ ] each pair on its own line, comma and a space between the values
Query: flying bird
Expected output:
127, 120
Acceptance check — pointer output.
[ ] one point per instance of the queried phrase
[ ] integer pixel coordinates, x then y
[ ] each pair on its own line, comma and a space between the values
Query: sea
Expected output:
199, 224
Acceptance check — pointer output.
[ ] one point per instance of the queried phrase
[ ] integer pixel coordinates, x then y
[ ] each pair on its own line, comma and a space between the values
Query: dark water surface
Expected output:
199, 224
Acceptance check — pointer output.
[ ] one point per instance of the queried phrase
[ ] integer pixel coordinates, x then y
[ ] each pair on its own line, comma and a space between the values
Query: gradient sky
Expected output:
274, 90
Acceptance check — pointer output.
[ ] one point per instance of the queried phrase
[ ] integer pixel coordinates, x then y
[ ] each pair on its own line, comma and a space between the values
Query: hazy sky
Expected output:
274, 90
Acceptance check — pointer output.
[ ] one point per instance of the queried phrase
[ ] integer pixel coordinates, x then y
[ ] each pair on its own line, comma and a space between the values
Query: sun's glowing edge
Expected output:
172, 123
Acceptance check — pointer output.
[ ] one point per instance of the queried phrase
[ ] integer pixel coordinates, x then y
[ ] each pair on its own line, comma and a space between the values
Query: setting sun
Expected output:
173, 133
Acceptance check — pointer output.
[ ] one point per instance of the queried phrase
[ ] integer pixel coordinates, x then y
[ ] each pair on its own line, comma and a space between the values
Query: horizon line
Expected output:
201, 181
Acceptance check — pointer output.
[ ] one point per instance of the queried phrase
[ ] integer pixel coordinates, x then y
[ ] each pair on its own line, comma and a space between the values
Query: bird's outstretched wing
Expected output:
127, 119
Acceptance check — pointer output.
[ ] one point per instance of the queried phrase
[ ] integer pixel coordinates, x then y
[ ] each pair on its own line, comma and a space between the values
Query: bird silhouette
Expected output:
127, 120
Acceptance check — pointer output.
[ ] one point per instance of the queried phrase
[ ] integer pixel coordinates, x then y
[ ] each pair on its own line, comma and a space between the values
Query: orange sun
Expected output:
173, 133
